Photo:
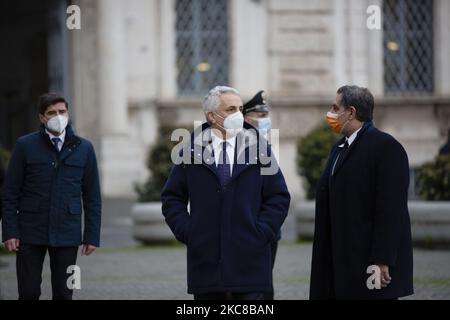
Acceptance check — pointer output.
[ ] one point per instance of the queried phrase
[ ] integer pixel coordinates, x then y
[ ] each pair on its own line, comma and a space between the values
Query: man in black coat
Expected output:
362, 241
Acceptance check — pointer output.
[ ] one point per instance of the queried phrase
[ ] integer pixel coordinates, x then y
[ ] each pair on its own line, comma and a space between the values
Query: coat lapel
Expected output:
70, 144
339, 165
202, 151
244, 142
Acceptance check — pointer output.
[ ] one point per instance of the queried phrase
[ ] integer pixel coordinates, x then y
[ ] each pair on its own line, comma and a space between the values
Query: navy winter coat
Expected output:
228, 230
45, 192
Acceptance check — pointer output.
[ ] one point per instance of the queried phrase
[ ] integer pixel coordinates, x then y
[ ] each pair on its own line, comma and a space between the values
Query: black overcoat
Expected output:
362, 219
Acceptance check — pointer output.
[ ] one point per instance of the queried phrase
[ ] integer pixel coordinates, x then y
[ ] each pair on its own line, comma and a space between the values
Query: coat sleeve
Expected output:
391, 202
321, 281
174, 197
11, 193
275, 203
92, 202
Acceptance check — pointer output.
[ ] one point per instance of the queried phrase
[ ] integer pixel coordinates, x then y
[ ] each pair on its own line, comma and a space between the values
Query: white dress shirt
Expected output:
217, 147
61, 138
351, 138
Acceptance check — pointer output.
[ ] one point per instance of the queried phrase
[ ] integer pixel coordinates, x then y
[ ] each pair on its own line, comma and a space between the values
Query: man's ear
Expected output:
353, 110
249, 120
210, 117
42, 118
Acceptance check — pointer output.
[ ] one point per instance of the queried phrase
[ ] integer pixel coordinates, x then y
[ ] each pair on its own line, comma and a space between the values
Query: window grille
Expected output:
202, 45
408, 46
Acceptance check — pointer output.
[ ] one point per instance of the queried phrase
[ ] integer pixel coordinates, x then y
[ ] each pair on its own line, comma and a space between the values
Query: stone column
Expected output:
167, 71
112, 68
248, 33
442, 47
84, 72
375, 54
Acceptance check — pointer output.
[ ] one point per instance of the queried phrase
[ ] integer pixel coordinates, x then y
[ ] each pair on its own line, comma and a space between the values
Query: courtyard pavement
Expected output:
123, 269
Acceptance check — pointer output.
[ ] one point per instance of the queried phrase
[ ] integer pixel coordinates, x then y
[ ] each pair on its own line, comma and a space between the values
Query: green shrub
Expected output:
312, 155
433, 179
159, 164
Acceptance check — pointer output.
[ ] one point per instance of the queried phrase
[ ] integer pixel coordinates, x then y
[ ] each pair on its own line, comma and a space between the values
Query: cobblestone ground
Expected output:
122, 269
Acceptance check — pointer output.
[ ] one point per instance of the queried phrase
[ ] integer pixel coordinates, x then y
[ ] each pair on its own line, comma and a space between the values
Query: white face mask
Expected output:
264, 124
234, 121
57, 124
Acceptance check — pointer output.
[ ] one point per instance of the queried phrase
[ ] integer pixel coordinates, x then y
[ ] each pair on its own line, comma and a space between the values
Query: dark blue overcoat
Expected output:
228, 230
46, 191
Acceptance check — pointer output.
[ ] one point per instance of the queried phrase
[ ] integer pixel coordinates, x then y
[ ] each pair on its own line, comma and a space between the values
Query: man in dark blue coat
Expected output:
238, 201
52, 176
362, 241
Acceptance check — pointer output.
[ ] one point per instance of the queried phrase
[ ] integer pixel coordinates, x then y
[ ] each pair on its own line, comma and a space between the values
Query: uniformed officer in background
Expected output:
257, 113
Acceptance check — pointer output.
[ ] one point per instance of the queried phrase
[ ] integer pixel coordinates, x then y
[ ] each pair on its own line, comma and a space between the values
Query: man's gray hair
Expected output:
211, 102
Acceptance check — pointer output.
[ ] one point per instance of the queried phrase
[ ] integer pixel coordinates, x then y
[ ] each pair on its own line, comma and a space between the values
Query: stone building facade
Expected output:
124, 71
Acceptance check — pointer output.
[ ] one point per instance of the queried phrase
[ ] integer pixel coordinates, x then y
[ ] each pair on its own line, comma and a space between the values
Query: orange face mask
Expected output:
333, 122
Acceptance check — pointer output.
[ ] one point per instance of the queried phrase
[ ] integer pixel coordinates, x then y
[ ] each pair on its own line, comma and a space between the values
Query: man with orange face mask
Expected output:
362, 241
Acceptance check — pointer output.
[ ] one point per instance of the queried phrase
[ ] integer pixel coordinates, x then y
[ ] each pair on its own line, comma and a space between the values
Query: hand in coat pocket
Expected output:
262, 232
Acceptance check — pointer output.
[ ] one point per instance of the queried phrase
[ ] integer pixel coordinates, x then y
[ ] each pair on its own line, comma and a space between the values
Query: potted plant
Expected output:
312, 155
149, 226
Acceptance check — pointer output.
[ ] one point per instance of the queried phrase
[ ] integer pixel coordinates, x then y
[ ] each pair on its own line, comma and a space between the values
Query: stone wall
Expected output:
299, 51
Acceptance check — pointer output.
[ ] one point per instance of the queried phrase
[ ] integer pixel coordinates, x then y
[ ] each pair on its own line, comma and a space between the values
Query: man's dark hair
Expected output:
49, 99
360, 98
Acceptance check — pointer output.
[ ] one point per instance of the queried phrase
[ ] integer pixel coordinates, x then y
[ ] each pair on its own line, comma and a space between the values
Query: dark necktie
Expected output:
223, 166
340, 157
56, 142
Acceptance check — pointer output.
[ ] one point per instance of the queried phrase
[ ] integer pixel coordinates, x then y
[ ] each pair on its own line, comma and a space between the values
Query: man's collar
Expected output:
350, 139
217, 141
62, 136
353, 136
